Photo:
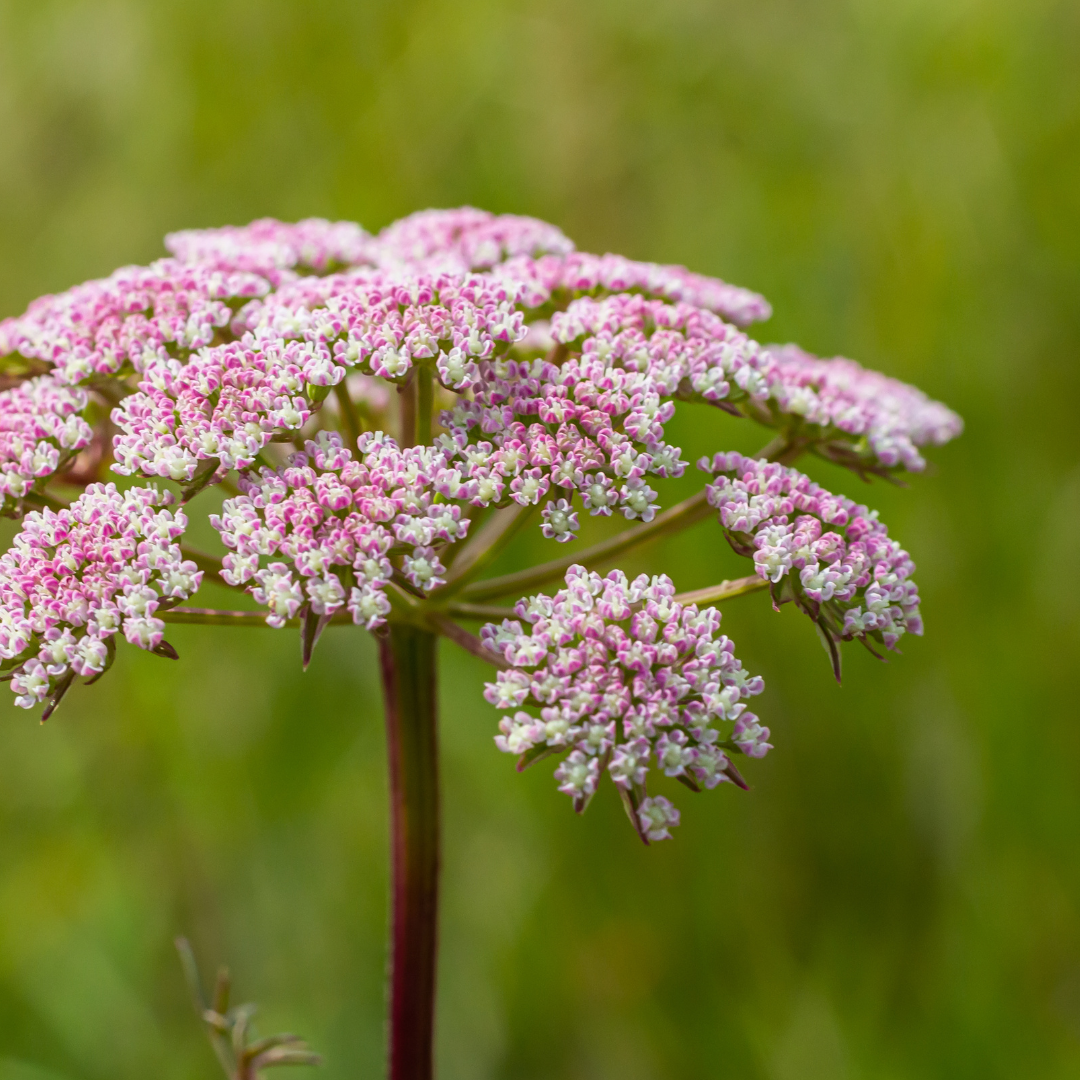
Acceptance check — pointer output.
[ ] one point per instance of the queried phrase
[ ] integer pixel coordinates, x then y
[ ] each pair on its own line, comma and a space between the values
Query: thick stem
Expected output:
407, 658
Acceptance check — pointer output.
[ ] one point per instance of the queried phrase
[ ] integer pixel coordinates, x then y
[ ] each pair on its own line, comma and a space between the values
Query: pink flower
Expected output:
828, 554
859, 417
42, 427
260, 353
75, 577
616, 674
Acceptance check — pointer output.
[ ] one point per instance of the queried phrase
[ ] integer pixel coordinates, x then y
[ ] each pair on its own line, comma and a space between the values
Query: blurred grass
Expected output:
898, 897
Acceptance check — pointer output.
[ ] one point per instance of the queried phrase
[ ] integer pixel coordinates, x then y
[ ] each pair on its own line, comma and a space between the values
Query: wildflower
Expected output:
272, 248
75, 577
657, 817
128, 321
554, 373
617, 675
329, 529
857, 417
42, 426
828, 554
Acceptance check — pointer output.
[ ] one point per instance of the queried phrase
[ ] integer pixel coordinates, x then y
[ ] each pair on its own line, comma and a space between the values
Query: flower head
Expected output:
273, 355
329, 530
578, 273
466, 239
856, 417
42, 426
828, 554
128, 321
274, 249
74, 578
620, 677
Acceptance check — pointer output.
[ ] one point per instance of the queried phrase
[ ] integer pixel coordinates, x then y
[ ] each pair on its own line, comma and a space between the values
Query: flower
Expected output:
127, 321
272, 248
828, 554
578, 273
466, 239
657, 816
42, 426
856, 417
74, 578
328, 530
621, 677
276, 351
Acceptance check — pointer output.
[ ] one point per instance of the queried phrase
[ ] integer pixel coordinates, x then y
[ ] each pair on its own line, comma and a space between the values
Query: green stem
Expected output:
425, 405
407, 410
784, 449
679, 516
350, 420
481, 548
714, 594
726, 590
469, 642
407, 657
480, 611
216, 617
43, 498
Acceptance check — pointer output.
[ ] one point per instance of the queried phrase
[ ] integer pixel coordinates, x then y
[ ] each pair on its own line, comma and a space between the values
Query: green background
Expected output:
898, 895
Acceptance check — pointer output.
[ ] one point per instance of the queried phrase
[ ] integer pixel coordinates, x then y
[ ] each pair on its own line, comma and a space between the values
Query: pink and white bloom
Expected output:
274, 356
621, 678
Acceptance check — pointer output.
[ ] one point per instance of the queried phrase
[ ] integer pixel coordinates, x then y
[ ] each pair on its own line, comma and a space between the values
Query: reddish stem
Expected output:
407, 657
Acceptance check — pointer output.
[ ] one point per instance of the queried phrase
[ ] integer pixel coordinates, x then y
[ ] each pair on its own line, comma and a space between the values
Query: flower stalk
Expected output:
680, 516
407, 658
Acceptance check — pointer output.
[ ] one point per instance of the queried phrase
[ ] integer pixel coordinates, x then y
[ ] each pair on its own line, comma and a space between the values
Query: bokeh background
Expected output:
898, 895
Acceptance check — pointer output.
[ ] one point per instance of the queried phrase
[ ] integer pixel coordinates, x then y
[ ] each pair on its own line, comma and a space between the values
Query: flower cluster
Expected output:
381, 325
273, 249
465, 239
859, 418
129, 320
586, 428
579, 273
683, 349
557, 374
828, 554
619, 676
222, 407
329, 530
42, 426
73, 578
